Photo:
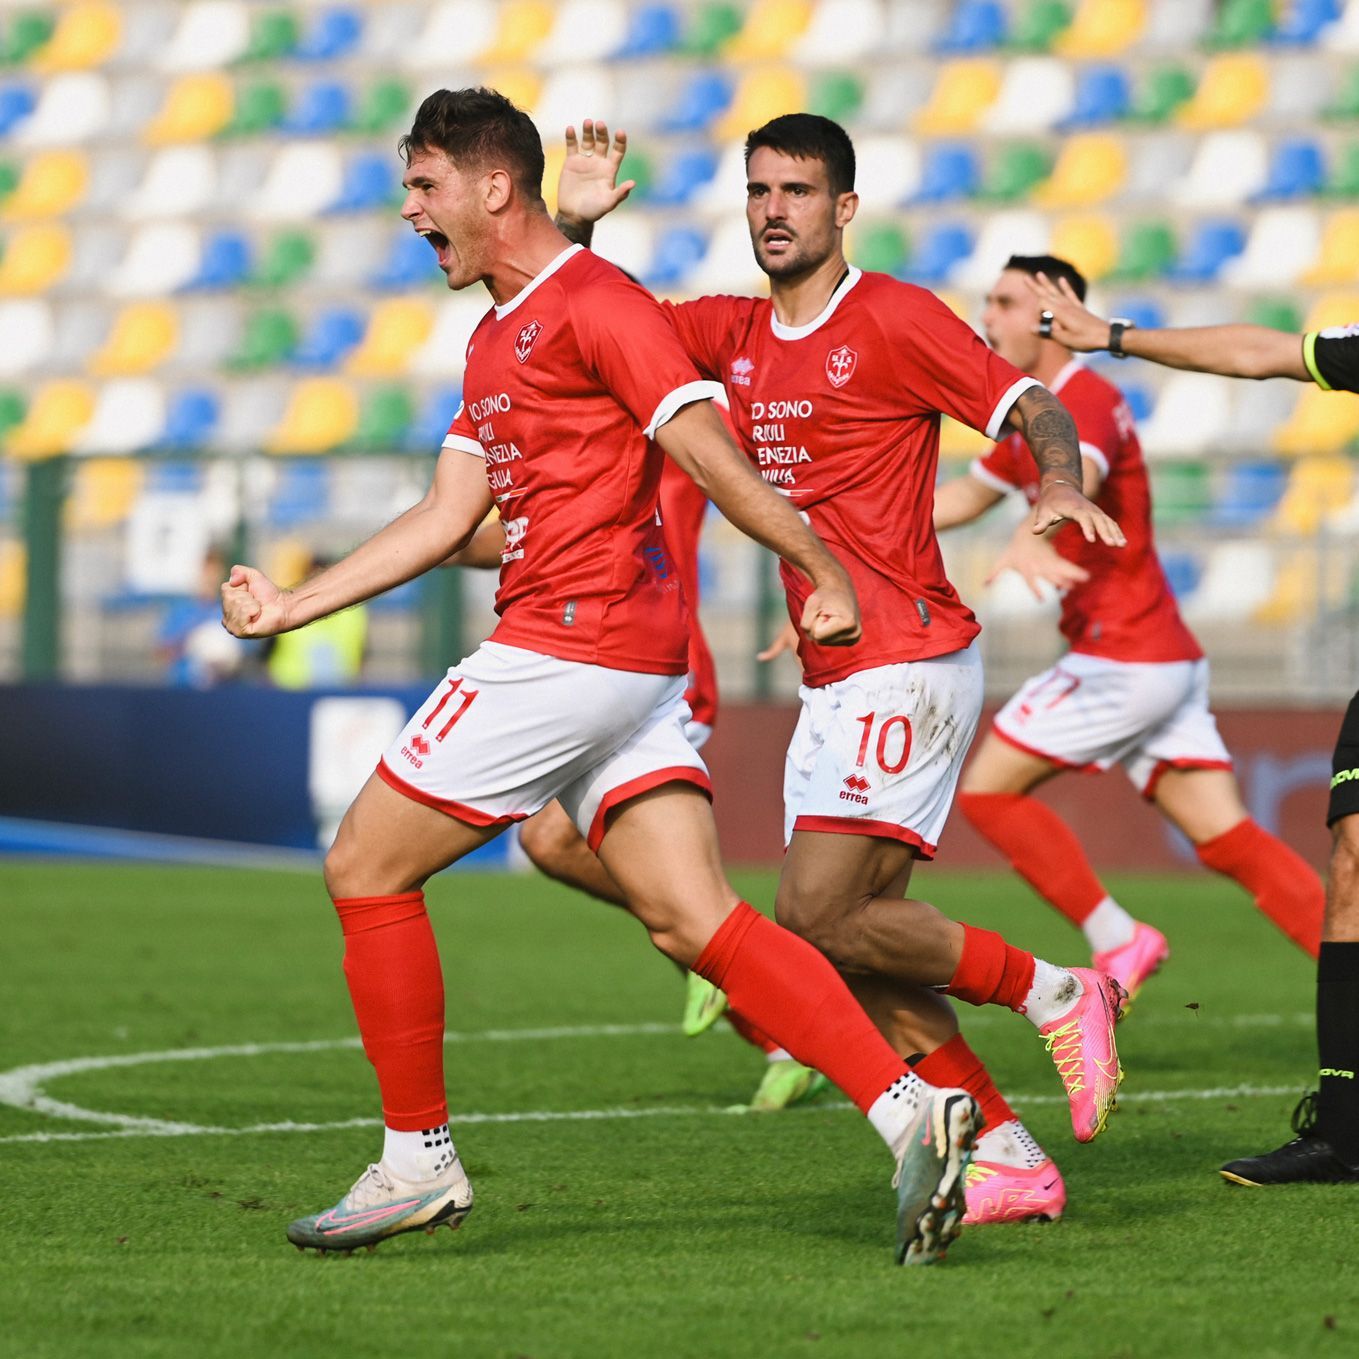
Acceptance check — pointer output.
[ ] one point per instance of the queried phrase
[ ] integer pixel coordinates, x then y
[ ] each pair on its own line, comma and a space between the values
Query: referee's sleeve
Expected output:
1332, 358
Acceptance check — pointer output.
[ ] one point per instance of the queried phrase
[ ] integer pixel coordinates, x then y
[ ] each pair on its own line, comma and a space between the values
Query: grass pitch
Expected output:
647, 1220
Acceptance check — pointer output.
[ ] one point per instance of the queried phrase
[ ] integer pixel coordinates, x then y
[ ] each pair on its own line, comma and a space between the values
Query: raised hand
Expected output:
252, 605
1037, 562
1073, 323
1058, 501
588, 187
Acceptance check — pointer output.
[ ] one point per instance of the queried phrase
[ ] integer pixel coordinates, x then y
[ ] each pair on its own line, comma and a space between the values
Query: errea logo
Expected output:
741, 370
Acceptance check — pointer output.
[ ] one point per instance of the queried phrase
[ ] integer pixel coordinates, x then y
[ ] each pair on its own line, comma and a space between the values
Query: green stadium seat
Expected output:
384, 104
260, 107
1149, 249
1278, 313
1016, 170
270, 336
1037, 25
1163, 90
1343, 181
287, 258
24, 34
642, 169
9, 178
881, 248
1344, 108
837, 95
12, 408
386, 415
273, 36
1241, 23
711, 27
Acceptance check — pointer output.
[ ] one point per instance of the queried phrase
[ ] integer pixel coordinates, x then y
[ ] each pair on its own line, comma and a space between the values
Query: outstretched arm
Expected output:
588, 187
456, 502
961, 500
1232, 350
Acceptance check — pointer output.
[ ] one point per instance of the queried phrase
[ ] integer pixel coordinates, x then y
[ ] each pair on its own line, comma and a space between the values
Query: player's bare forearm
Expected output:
960, 501
485, 549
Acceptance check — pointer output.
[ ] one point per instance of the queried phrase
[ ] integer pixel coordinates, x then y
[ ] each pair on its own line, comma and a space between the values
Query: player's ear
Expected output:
845, 207
497, 190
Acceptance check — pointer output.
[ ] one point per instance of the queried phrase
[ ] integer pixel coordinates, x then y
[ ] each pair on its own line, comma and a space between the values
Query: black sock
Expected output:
1338, 1049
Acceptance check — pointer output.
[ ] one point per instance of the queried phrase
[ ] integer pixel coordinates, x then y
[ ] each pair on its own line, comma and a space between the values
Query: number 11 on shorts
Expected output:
894, 731
464, 702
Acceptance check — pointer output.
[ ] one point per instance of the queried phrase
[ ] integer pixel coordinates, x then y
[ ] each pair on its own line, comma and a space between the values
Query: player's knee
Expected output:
548, 843
822, 920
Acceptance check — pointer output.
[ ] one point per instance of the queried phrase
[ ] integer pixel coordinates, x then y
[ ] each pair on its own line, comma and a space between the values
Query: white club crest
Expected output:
524, 341
840, 365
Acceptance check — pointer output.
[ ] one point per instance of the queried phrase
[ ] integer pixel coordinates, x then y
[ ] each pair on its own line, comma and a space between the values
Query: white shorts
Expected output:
508, 730
879, 753
1087, 712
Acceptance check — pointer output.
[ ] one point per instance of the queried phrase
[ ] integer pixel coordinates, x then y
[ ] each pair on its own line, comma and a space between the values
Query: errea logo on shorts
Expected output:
524, 341
855, 788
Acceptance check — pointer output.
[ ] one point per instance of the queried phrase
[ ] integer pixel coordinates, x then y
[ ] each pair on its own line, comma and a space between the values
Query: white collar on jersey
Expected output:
1066, 374
502, 312
783, 332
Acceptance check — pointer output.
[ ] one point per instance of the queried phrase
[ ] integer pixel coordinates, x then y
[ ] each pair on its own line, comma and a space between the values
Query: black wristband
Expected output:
1116, 328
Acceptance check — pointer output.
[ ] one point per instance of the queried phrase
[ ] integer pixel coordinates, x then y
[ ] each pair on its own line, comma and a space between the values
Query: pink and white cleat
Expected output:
1081, 1043
1001, 1193
1132, 963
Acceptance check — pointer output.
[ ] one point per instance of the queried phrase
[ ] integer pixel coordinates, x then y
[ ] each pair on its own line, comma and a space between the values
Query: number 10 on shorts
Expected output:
893, 746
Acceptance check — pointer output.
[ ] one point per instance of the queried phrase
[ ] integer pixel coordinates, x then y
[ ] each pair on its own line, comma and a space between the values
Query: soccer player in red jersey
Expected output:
1131, 691
574, 385
836, 383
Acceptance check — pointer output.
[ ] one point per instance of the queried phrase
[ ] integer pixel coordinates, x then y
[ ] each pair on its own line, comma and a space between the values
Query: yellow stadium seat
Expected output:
959, 442
1300, 588
519, 84
197, 107
58, 412
771, 28
322, 413
1317, 486
1092, 167
523, 26
1322, 422
103, 492
13, 577
143, 337
1234, 88
1088, 241
399, 326
762, 94
1102, 28
1335, 309
85, 36
1338, 259
289, 561
52, 183
35, 258
961, 94
553, 156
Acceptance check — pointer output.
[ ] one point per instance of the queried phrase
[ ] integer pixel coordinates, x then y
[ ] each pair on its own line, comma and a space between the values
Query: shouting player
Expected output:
1326, 1148
1132, 690
836, 384
578, 694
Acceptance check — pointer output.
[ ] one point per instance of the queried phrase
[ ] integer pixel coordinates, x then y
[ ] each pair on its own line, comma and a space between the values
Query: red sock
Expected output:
755, 1037
991, 972
1041, 846
791, 991
955, 1064
1284, 885
392, 966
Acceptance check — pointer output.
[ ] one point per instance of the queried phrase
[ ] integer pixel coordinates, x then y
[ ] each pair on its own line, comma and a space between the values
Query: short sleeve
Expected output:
705, 328
1332, 358
1097, 429
628, 344
998, 468
462, 435
943, 365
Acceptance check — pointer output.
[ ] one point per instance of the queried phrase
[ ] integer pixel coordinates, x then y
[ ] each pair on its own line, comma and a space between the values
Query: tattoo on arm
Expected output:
1051, 435
578, 233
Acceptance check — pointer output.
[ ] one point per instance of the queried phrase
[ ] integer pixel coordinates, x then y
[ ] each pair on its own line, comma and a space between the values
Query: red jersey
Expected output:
1125, 611
842, 416
564, 386
683, 507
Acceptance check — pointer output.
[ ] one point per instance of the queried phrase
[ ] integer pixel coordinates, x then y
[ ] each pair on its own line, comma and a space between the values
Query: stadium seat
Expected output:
1319, 424
409, 263
322, 413
144, 335
763, 93
704, 96
962, 93
1036, 94
1090, 169
1278, 313
23, 35
190, 418
197, 105
1103, 95
1228, 168
888, 171
36, 258
1102, 28
303, 180
385, 419
1088, 241
396, 330
128, 416
1259, 408
1333, 309
104, 491
86, 35
1013, 232
1183, 571
270, 337
1343, 181
1190, 416
456, 33
943, 247
30, 336
652, 31
57, 411
1317, 486
711, 26
431, 422
1241, 23
225, 262
523, 26
1148, 251
1337, 260
1014, 171
1343, 106
179, 181
160, 257
1237, 579
771, 28
679, 249
273, 36
285, 260
319, 109
261, 107
331, 35
210, 34
52, 183
975, 26
880, 247
1297, 170
1161, 94
371, 180
329, 337
301, 493
17, 102
1036, 25
840, 32
1234, 89
1249, 492
950, 171
683, 176
383, 106
627, 239
568, 95
71, 109
1281, 244
12, 407
1181, 491
1213, 243
444, 354
837, 95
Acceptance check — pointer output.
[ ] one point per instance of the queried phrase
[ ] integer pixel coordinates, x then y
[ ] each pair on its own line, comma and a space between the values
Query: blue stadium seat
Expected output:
302, 494
1139, 401
684, 175
322, 107
1304, 20
678, 250
410, 263
1103, 95
16, 103
701, 101
191, 418
404, 599
1184, 571
951, 170
329, 338
175, 475
651, 29
429, 427
333, 33
975, 26
1144, 312
1298, 170
370, 181
943, 246
1251, 491
225, 263
1213, 243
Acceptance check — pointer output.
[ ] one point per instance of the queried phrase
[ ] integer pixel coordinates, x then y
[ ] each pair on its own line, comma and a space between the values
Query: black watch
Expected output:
1117, 325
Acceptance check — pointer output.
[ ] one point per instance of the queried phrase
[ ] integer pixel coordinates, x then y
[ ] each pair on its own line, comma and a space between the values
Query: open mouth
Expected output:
777, 240
439, 242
